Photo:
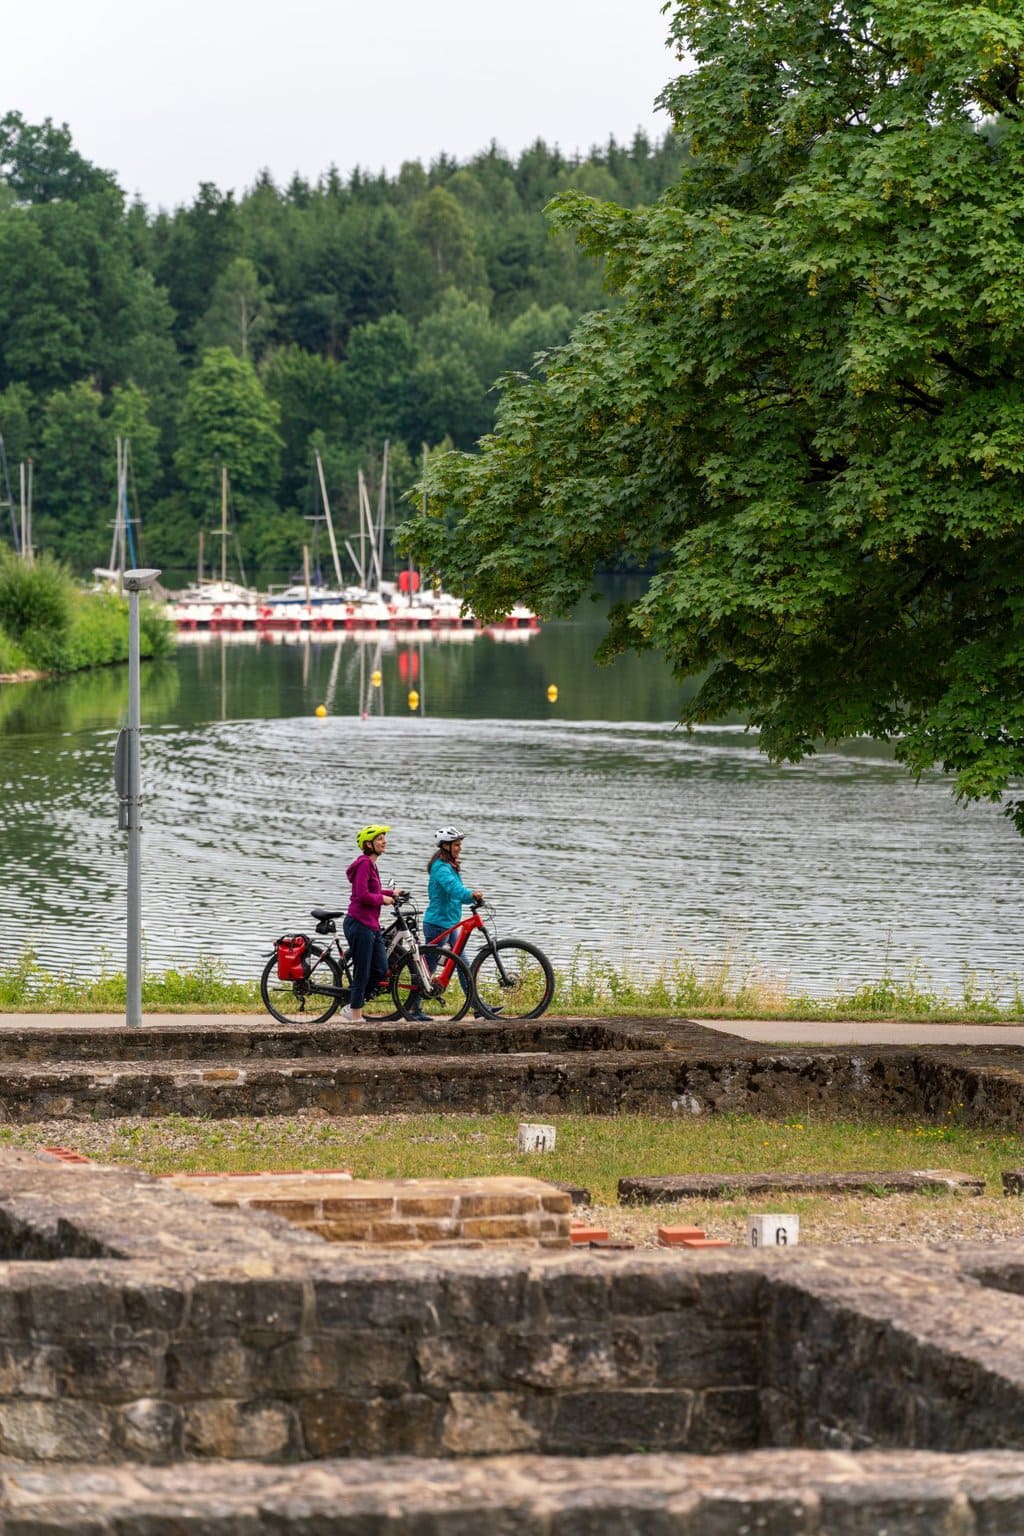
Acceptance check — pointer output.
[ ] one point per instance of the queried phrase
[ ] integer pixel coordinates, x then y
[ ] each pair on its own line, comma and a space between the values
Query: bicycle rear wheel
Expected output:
513, 980
299, 1002
452, 990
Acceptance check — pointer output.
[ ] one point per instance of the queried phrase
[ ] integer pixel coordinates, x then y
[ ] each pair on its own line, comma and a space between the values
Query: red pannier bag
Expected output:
292, 953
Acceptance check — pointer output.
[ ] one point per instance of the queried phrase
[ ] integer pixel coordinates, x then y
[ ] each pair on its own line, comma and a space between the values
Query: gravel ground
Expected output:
918, 1219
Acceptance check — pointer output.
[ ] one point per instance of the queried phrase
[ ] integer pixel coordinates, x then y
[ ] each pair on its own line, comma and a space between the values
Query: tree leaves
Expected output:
806, 415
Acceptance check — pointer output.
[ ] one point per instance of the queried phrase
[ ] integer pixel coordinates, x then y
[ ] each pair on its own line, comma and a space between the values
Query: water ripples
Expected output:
628, 841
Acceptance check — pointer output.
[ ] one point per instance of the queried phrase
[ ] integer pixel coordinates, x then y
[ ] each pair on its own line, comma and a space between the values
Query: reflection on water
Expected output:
591, 823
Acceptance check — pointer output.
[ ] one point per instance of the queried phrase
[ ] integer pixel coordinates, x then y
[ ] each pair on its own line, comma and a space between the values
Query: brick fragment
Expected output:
581, 1235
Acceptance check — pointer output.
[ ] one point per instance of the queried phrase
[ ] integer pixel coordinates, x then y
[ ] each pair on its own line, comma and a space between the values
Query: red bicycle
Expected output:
511, 978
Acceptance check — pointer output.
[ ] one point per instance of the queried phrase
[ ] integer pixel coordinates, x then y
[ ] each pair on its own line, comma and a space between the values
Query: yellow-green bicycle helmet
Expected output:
367, 835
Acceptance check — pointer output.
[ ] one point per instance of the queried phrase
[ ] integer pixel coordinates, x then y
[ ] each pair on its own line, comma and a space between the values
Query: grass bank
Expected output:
588, 988
48, 624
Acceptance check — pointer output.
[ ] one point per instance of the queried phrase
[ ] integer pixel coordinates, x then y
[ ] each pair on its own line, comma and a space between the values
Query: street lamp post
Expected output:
128, 778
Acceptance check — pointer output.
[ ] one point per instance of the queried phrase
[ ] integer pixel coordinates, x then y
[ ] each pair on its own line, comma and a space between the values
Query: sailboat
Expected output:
123, 556
216, 604
309, 605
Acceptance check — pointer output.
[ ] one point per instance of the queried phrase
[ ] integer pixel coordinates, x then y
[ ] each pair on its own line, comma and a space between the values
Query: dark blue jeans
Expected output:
369, 959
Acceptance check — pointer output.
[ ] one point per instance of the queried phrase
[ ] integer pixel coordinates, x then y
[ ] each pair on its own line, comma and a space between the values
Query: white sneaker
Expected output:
346, 1016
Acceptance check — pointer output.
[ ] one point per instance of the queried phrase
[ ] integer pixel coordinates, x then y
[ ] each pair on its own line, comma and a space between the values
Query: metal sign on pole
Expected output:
128, 783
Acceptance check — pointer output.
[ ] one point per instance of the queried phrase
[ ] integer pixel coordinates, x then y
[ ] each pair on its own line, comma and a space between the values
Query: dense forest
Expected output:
249, 331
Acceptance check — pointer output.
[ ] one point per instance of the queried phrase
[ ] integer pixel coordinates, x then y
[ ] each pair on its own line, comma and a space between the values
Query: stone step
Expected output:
920, 1493
255, 1036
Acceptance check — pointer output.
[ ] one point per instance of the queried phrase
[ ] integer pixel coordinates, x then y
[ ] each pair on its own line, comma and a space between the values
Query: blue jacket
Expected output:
446, 895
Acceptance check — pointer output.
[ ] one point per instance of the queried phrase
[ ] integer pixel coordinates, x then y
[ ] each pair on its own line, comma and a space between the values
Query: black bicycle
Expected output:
305, 982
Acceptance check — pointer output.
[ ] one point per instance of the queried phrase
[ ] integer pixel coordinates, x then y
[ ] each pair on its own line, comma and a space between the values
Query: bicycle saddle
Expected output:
323, 913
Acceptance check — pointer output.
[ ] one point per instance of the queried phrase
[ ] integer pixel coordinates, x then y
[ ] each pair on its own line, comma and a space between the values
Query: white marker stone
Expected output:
773, 1231
536, 1138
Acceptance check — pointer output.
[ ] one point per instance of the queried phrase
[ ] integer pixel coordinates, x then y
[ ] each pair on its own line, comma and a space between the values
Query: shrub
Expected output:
34, 599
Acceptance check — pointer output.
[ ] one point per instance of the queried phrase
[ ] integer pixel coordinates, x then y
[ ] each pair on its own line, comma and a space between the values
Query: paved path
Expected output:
770, 1031
807, 1032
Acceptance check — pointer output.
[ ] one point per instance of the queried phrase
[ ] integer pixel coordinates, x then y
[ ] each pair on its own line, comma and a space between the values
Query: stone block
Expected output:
348, 1231
65, 1304
700, 1354
496, 1229
225, 1305
472, 1359
149, 1430
725, 1419
495, 1295
432, 1206
114, 1373
408, 1300
645, 1290
299, 1211
333, 1425
261, 1431
389, 1232
195, 1367
489, 1424
499, 1202
629, 1421
572, 1292
32, 1370
357, 1205
36, 1430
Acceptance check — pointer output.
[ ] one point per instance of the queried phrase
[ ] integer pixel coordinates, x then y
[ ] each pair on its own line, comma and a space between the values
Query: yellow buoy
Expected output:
552, 693
375, 679
414, 699
321, 710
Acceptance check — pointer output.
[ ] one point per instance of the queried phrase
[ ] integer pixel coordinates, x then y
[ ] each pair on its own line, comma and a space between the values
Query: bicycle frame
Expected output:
458, 935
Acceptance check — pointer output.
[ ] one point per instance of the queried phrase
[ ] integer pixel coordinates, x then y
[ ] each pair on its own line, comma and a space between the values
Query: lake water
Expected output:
592, 823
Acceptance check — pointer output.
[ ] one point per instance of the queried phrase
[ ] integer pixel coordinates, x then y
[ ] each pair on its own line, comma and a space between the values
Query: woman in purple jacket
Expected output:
362, 922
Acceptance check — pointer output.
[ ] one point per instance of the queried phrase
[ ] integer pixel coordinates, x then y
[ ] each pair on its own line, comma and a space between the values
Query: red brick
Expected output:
580, 1234
705, 1242
672, 1237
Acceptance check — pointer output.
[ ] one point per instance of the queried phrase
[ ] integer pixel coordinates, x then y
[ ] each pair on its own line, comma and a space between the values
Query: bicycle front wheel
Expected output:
513, 980
299, 1002
451, 987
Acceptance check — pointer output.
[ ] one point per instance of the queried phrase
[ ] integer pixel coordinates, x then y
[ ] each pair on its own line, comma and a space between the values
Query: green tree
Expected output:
75, 478
807, 415
41, 165
227, 420
240, 313
437, 251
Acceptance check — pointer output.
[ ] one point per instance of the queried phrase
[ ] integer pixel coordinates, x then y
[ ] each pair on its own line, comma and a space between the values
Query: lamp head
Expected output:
139, 581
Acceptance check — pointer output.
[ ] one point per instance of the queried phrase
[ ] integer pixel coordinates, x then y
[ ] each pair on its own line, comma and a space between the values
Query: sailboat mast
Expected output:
224, 524
330, 522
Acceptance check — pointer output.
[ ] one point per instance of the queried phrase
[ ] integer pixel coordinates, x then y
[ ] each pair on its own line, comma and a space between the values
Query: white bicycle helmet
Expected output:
447, 835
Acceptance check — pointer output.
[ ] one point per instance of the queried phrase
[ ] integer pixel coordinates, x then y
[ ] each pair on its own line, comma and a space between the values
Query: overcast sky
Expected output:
169, 95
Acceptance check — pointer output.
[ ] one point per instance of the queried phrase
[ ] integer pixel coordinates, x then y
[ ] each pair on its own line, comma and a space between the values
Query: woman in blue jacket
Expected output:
446, 894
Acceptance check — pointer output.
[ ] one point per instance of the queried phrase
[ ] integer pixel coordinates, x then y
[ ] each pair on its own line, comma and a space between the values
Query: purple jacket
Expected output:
367, 891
